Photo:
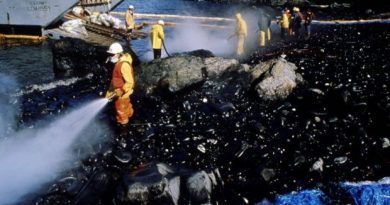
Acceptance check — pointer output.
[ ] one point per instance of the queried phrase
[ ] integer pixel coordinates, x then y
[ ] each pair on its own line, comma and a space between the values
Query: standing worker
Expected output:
241, 33
284, 23
122, 83
297, 18
264, 24
308, 19
157, 38
269, 27
108, 2
129, 17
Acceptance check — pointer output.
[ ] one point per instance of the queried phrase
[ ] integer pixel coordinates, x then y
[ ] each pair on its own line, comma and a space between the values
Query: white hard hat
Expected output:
115, 48
296, 9
161, 22
131, 7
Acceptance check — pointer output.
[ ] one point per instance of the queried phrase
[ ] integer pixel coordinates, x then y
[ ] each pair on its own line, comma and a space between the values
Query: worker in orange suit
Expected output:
122, 83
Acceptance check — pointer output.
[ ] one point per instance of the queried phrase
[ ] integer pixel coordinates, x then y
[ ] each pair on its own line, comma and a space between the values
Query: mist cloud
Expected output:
191, 35
30, 158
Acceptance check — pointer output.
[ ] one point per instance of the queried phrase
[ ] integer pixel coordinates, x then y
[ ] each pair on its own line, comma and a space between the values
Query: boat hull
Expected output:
33, 12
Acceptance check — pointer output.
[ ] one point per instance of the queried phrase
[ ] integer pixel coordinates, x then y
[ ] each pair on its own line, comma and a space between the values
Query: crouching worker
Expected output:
122, 83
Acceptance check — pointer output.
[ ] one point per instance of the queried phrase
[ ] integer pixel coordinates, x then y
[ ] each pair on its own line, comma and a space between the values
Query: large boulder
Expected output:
274, 79
271, 80
178, 72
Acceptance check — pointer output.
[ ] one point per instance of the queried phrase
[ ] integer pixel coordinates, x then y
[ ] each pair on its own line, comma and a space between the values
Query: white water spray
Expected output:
192, 36
32, 157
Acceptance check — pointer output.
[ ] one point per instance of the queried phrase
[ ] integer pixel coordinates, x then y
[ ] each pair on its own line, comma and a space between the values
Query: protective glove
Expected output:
109, 94
118, 92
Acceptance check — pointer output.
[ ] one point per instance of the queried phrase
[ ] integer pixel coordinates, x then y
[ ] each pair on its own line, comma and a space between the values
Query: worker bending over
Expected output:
122, 83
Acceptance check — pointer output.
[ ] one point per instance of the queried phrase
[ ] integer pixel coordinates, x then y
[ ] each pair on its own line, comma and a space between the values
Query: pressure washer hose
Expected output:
165, 48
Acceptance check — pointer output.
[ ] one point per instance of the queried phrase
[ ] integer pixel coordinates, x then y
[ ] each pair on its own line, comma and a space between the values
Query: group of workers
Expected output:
241, 32
106, 19
291, 23
156, 35
122, 82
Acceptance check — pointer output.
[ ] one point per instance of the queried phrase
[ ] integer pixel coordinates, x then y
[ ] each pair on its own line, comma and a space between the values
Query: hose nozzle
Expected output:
112, 97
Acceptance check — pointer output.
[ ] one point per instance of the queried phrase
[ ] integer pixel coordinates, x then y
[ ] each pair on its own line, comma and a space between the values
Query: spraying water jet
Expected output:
33, 157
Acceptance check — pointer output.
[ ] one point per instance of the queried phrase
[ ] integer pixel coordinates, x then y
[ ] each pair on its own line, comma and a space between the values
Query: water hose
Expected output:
165, 48
111, 98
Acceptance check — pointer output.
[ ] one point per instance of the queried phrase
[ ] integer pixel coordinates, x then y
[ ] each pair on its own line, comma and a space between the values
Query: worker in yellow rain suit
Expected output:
241, 33
122, 83
264, 23
285, 23
157, 38
129, 17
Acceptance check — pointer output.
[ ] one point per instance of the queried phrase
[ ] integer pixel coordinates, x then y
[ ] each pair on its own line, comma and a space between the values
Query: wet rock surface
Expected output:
270, 80
275, 79
330, 129
179, 72
75, 57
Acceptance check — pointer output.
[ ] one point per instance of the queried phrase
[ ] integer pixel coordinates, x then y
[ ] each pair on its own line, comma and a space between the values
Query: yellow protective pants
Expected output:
263, 35
240, 44
269, 34
124, 110
262, 39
